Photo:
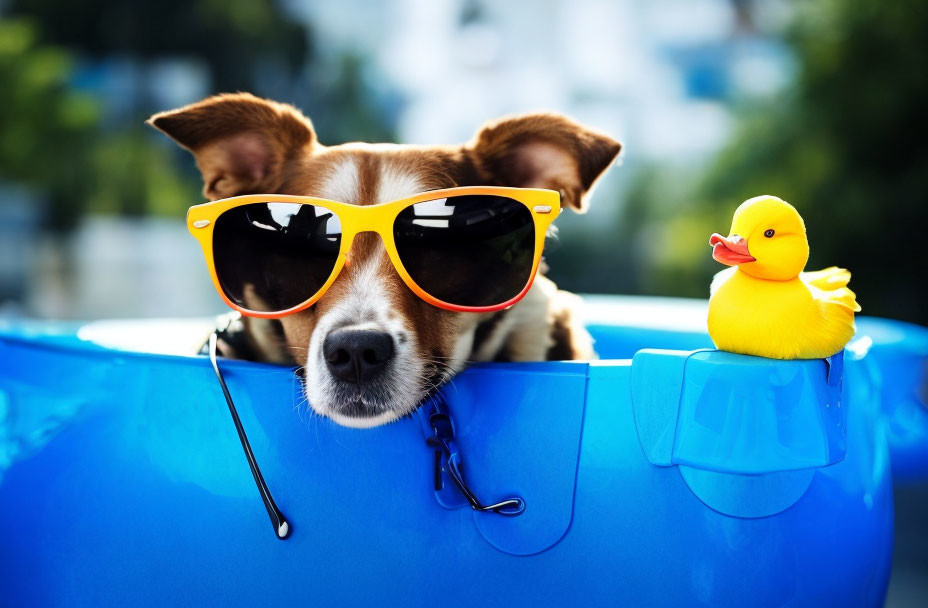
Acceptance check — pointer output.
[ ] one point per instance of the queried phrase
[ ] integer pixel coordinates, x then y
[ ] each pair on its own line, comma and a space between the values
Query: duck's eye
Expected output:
768, 233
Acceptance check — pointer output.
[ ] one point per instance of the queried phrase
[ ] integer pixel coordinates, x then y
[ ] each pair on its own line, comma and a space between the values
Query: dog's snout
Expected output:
356, 355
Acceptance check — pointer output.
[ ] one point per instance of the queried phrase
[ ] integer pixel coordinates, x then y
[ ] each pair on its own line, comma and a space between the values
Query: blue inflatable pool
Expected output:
664, 474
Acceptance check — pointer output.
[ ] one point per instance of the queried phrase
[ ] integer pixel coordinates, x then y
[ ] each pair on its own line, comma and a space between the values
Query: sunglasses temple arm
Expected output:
281, 526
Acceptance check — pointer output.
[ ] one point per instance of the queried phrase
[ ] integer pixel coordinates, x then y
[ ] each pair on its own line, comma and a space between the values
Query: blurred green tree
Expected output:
247, 45
52, 142
345, 107
844, 145
237, 38
45, 128
56, 138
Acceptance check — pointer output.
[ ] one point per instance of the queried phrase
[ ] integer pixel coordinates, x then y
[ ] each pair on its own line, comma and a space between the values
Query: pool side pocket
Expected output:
747, 433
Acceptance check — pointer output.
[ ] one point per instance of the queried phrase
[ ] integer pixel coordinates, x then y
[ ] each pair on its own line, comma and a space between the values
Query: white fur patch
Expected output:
395, 185
343, 183
464, 343
529, 338
366, 304
523, 331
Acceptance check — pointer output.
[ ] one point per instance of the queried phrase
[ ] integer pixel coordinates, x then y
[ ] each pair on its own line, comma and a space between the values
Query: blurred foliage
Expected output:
45, 128
847, 148
344, 107
845, 145
235, 37
51, 140
59, 137
247, 45
134, 176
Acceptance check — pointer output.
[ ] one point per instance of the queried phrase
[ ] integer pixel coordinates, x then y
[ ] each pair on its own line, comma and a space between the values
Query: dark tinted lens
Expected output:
467, 250
273, 256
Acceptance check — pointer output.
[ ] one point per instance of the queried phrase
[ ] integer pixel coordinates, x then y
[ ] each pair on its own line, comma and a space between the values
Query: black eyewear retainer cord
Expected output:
280, 523
448, 457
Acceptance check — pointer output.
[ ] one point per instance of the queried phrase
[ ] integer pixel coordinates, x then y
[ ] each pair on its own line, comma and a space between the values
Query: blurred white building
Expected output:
660, 75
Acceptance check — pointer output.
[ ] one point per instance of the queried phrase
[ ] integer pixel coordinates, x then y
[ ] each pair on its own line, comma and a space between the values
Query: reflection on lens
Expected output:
467, 250
273, 256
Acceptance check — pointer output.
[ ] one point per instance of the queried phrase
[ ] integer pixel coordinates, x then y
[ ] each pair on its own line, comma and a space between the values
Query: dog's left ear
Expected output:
242, 143
545, 151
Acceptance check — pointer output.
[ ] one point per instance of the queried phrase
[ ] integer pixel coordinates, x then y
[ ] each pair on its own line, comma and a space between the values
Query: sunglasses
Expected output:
468, 249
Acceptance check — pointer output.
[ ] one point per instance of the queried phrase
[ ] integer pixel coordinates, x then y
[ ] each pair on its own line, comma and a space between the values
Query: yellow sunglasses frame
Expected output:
544, 205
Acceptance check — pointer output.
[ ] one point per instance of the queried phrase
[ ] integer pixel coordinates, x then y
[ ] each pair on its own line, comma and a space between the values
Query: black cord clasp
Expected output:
448, 460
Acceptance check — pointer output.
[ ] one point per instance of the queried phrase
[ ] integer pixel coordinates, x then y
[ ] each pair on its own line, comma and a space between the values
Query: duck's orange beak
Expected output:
731, 251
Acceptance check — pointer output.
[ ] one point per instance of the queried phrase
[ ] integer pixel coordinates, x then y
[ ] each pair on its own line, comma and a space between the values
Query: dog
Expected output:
243, 144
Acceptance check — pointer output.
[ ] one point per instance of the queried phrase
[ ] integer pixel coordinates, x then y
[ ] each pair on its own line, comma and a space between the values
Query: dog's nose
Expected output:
356, 355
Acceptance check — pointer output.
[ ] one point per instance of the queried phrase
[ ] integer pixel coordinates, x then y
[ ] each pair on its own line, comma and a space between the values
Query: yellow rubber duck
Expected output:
765, 305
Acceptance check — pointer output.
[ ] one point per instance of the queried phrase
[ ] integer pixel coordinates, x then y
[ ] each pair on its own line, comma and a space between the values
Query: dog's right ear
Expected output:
241, 143
545, 150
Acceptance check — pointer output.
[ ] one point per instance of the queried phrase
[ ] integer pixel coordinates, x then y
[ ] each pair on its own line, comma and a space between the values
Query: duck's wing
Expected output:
830, 285
827, 279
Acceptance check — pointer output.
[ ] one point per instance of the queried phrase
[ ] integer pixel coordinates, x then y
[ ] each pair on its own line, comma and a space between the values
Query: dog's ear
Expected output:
241, 142
545, 151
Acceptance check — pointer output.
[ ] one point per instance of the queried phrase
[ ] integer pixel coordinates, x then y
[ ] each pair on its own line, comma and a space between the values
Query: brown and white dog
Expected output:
244, 144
